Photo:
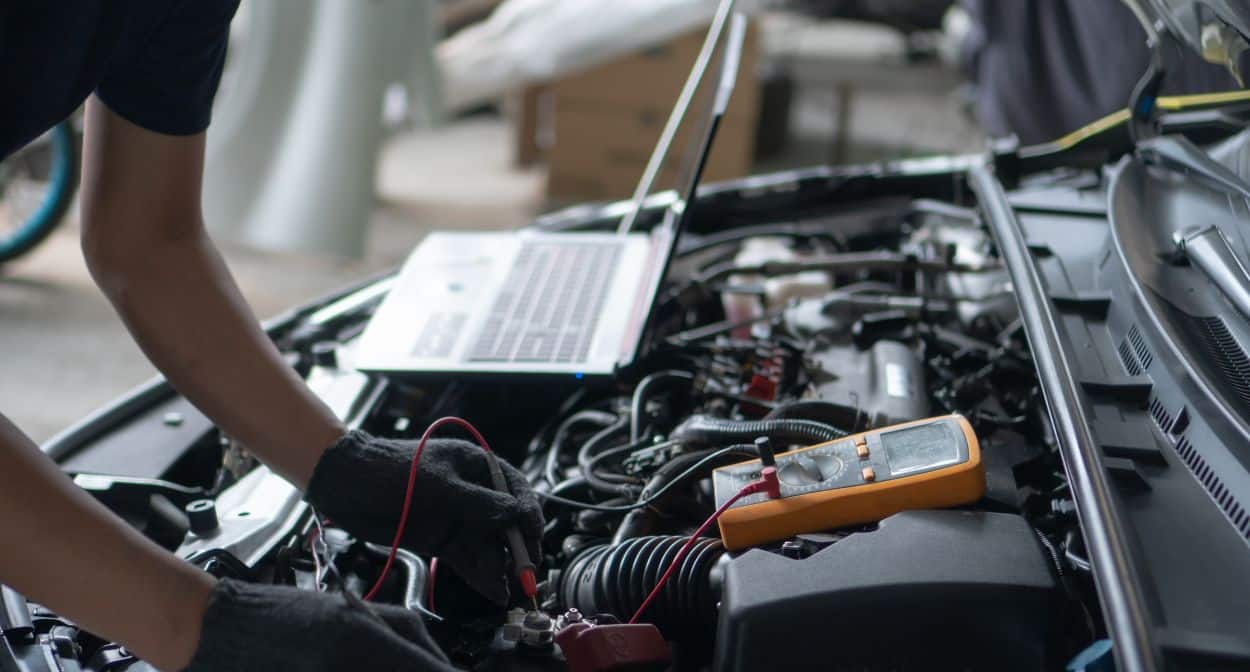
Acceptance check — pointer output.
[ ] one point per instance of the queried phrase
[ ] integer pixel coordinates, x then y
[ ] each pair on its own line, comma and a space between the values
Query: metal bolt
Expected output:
1063, 507
793, 549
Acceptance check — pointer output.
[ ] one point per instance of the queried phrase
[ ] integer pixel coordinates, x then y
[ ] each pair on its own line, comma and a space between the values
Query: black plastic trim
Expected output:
1115, 574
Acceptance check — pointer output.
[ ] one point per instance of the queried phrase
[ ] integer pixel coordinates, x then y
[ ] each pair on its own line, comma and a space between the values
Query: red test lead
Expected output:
640, 646
768, 483
516, 543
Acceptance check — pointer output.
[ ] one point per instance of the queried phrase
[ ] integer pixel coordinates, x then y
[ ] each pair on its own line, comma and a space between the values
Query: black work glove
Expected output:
456, 514
278, 628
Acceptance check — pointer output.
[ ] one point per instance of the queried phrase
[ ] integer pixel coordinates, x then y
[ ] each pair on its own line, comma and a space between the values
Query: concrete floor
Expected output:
69, 354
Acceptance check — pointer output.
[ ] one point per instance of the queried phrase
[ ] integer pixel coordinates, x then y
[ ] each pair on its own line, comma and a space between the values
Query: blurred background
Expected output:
344, 131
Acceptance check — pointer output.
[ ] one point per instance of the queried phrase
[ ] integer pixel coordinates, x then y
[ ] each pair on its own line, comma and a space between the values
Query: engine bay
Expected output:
800, 332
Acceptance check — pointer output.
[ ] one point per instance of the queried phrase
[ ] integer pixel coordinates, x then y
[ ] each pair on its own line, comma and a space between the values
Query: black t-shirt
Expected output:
154, 62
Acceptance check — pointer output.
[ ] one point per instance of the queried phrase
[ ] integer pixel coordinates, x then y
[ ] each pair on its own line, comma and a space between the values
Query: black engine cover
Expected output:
927, 590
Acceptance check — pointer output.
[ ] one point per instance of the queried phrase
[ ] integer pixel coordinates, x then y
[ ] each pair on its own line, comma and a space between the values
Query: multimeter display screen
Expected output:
920, 448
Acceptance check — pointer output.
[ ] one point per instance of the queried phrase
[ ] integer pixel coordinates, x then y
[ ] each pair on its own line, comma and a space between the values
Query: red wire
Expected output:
748, 489
412, 482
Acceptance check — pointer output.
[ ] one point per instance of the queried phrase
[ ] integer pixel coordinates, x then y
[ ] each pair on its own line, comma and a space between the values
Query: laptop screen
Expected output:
713, 100
694, 113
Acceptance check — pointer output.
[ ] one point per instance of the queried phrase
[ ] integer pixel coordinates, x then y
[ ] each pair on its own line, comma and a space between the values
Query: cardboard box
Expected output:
600, 155
607, 120
530, 111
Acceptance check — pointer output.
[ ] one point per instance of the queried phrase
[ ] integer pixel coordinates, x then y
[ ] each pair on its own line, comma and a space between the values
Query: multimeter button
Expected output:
861, 450
869, 474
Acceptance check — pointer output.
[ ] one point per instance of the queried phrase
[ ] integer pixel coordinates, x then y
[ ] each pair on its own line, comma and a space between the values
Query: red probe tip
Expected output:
528, 583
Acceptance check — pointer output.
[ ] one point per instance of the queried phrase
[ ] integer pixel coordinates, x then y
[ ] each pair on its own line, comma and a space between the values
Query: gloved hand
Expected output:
456, 515
278, 628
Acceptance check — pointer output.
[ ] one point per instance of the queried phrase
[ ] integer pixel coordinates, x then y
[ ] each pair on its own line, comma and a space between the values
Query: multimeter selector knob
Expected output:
804, 470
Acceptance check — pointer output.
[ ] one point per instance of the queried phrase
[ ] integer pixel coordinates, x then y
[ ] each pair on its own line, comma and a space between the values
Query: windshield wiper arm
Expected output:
1208, 249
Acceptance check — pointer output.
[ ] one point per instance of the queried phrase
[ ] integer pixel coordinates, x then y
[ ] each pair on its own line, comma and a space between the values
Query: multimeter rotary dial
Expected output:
810, 470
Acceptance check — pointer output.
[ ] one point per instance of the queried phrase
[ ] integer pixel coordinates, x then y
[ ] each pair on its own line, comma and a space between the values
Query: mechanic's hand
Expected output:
456, 514
277, 628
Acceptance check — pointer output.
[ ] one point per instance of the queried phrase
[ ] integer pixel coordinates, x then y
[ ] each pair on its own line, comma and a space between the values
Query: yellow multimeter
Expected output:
858, 479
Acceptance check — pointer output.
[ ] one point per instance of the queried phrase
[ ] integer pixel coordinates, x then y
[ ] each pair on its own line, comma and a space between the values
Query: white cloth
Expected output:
526, 41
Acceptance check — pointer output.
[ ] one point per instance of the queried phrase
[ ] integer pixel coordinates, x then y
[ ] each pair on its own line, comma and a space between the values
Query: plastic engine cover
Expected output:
884, 383
927, 590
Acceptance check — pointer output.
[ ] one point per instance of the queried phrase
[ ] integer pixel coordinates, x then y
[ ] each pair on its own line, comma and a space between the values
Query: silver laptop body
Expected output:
523, 302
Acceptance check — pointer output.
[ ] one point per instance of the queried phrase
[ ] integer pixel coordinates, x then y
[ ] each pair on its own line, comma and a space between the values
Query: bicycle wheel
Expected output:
36, 188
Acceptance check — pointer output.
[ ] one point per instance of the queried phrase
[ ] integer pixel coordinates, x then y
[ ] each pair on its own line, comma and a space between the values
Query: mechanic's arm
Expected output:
144, 241
62, 548
145, 244
65, 550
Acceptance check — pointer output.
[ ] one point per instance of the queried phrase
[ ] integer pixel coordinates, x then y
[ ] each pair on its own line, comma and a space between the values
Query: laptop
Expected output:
546, 303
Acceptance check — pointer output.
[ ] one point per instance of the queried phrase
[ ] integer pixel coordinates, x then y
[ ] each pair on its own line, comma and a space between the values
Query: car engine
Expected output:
830, 322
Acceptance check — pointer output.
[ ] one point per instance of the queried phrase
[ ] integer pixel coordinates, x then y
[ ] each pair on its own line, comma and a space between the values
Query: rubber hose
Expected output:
614, 484
616, 578
638, 403
713, 431
834, 415
642, 521
594, 445
587, 417
576, 483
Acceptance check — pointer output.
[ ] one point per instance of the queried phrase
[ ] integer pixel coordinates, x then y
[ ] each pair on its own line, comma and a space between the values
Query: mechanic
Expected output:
151, 69
1044, 68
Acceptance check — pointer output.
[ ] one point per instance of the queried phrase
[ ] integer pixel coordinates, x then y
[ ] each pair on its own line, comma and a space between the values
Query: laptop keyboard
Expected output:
550, 303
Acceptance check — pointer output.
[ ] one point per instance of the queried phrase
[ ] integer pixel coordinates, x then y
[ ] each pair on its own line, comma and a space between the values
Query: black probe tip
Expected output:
764, 445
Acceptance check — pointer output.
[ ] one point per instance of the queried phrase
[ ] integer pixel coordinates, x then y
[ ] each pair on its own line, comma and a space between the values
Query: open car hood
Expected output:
1218, 30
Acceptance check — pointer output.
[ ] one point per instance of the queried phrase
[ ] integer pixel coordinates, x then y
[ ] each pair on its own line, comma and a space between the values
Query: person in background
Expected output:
148, 70
1044, 68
